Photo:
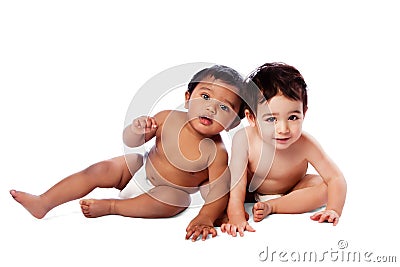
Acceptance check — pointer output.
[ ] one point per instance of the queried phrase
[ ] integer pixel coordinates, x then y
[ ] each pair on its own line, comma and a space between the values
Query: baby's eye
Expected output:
293, 118
205, 96
270, 119
224, 108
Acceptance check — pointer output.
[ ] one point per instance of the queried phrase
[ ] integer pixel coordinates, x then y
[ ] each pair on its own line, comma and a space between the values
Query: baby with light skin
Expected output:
270, 157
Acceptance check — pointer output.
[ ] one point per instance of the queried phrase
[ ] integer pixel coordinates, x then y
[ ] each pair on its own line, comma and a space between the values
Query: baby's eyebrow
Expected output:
205, 88
269, 114
277, 113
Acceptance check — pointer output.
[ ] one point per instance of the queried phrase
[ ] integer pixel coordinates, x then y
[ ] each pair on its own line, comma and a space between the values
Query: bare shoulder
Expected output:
319, 159
240, 145
174, 115
310, 145
162, 115
307, 139
241, 137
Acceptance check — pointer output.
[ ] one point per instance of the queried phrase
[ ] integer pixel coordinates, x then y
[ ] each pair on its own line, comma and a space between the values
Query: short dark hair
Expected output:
224, 74
272, 79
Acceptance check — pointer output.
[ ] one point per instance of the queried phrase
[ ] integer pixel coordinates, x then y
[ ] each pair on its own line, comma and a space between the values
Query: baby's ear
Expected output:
304, 111
187, 97
250, 117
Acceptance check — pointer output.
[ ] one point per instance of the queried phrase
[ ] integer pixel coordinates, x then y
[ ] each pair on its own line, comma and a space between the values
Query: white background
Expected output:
69, 69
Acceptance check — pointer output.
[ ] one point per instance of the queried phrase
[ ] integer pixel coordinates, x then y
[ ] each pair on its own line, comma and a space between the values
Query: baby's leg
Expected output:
310, 193
159, 202
105, 174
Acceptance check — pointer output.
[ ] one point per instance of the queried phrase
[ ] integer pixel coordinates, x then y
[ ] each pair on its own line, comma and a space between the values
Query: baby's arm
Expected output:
142, 129
216, 199
334, 180
238, 166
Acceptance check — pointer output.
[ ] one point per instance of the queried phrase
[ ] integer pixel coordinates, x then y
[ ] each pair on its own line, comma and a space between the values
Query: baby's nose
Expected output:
282, 127
211, 107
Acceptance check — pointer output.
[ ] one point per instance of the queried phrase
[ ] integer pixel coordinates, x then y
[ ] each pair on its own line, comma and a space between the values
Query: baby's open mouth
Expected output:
205, 120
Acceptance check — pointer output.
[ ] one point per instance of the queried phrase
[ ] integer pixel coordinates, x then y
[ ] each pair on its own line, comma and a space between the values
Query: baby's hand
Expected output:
233, 228
326, 215
200, 225
144, 124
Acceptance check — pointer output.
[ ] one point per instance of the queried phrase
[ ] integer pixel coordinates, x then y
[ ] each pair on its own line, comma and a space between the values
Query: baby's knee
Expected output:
104, 174
313, 180
317, 182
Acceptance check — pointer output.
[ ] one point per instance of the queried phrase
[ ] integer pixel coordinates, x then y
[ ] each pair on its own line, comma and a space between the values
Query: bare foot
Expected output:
32, 203
261, 210
92, 208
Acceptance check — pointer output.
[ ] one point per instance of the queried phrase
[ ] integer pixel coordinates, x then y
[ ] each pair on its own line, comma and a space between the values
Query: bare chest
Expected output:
187, 155
278, 172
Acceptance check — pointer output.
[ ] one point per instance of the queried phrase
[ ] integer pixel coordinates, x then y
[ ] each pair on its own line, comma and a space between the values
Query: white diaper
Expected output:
262, 198
139, 183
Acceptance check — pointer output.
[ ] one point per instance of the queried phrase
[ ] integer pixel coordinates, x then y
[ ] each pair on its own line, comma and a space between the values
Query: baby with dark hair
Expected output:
270, 157
188, 152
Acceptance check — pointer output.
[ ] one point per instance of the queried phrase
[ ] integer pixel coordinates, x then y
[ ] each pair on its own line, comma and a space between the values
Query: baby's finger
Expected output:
213, 232
142, 123
223, 227
148, 122
189, 233
196, 234
153, 122
249, 228
190, 228
316, 216
229, 229
136, 123
226, 228
233, 230
336, 221
241, 230
323, 217
208, 231
204, 234
331, 218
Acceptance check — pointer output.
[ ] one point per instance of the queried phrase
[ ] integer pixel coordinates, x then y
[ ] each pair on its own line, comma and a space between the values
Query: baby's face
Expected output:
212, 106
280, 121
